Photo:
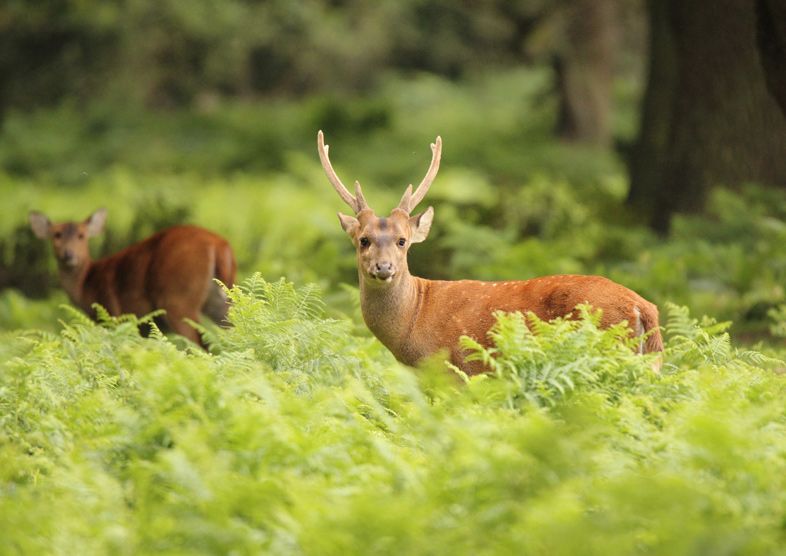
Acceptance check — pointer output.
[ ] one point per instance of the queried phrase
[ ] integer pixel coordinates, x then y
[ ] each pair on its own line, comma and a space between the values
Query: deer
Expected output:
174, 269
416, 318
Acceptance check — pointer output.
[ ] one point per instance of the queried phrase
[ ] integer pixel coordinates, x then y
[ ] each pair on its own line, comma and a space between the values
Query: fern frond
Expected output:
679, 323
150, 317
76, 315
102, 315
154, 332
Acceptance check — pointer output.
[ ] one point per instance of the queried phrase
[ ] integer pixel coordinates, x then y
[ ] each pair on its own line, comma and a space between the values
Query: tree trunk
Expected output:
771, 41
583, 72
707, 116
648, 159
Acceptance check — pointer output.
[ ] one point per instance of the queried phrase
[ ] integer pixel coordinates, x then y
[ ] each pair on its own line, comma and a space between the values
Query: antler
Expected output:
356, 202
410, 200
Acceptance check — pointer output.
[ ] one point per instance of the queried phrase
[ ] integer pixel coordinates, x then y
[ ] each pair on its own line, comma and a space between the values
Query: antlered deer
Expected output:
173, 270
414, 317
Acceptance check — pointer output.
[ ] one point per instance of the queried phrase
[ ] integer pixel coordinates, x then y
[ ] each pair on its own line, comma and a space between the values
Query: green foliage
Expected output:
178, 52
778, 325
18, 311
285, 328
301, 437
542, 362
728, 262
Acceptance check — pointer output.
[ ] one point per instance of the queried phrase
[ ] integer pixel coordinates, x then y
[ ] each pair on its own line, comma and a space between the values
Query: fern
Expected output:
544, 362
287, 329
293, 436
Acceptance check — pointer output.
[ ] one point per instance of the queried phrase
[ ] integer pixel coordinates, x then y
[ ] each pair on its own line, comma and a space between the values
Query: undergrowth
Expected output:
297, 436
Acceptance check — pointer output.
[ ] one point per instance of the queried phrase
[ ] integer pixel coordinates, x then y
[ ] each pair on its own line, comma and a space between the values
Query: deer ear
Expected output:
40, 224
421, 224
95, 222
349, 223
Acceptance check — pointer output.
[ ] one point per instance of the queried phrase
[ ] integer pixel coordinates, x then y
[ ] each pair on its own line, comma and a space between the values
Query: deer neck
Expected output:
390, 311
72, 281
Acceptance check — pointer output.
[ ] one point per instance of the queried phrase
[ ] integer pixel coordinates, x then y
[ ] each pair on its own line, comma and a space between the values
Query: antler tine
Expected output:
420, 192
356, 203
359, 199
403, 204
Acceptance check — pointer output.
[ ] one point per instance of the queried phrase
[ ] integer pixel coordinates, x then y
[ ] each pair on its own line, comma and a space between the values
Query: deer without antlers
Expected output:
415, 317
173, 270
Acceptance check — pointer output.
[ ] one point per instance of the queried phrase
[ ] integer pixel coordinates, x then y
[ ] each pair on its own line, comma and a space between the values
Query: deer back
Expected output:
174, 267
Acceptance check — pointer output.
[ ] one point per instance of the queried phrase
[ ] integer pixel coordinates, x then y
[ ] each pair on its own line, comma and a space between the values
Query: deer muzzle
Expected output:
383, 271
68, 259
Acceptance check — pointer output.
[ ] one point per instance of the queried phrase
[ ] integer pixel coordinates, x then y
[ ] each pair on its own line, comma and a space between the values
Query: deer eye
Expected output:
364, 242
81, 236
402, 242
57, 235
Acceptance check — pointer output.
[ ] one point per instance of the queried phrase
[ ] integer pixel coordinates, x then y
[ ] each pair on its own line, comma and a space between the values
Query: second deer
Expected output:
173, 270
415, 317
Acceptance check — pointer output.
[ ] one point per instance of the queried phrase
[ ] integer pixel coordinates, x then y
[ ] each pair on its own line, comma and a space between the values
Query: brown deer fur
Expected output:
173, 270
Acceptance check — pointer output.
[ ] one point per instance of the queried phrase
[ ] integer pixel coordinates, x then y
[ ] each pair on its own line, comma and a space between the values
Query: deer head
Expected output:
382, 243
69, 239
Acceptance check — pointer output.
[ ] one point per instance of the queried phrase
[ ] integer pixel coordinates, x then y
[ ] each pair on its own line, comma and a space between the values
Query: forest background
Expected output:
641, 140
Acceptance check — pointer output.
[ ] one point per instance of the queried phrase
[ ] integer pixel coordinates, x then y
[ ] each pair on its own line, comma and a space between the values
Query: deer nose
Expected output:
68, 257
384, 270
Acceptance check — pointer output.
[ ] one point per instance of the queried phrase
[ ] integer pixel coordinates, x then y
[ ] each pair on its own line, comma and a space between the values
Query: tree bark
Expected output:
771, 42
649, 156
707, 117
584, 71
